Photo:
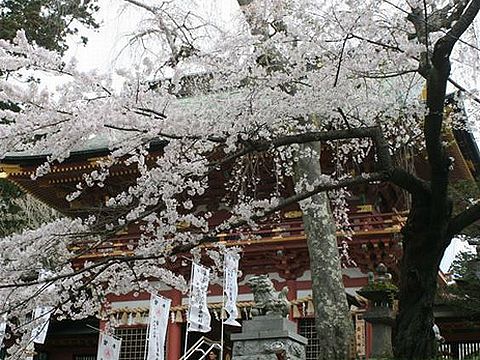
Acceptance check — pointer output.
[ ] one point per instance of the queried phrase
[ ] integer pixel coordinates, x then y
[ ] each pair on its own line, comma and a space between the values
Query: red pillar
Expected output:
292, 289
292, 295
174, 332
368, 339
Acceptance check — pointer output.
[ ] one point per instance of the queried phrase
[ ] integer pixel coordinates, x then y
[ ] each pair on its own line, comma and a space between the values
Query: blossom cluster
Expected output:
203, 96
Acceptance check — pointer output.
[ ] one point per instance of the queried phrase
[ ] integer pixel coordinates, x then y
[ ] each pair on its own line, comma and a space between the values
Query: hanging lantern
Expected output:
310, 308
296, 311
178, 316
124, 318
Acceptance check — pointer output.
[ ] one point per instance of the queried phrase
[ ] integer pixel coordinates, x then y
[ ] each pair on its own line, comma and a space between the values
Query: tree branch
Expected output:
444, 45
338, 184
352, 133
414, 185
212, 237
378, 43
463, 89
379, 75
437, 77
215, 139
337, 75
464, 219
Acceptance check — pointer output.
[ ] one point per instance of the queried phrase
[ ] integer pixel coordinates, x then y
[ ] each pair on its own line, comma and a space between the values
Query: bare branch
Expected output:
215, 139
378, 43
464, 219
163, 26
461, 88
357, 180
210, 238
444, 45
379, 75
340, 59
437, 77
414, 185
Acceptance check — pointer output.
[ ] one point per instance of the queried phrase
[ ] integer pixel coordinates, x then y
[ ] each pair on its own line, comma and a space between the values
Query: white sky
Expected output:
105, 44
453, 249
104, 52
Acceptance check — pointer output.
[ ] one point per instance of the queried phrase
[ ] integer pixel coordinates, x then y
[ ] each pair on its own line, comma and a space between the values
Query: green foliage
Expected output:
47, 22
380, 286
463, 193
465, 294
20, 211
380, 292
9, 221
460, 268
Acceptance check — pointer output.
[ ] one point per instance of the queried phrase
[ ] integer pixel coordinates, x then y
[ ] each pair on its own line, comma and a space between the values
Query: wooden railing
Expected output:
365, 227
461, 350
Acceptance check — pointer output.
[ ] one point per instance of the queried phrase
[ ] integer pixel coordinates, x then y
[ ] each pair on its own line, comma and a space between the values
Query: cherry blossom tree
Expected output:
276, 80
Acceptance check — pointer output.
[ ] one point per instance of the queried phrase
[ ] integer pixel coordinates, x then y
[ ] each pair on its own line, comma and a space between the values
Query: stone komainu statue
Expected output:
267, 300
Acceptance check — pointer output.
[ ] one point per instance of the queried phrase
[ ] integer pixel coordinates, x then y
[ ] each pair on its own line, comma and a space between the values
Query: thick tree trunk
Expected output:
332, 315
423, 249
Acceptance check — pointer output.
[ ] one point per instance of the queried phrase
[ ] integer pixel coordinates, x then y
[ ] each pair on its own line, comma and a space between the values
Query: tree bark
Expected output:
332, 315
423, 247
429, 228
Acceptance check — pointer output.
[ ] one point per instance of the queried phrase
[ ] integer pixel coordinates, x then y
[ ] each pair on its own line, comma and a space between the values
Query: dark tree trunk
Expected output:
423, 245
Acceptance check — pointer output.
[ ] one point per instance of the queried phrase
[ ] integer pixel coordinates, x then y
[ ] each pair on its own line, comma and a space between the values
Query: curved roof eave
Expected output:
28, 159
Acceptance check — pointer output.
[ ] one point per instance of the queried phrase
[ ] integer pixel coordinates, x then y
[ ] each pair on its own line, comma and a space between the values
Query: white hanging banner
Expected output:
230, 272
42, 317
198, 314
158, 322
108, 347
3, 329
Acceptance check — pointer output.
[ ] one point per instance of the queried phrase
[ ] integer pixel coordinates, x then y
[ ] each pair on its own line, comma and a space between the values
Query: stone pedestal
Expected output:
382, 319
268, 337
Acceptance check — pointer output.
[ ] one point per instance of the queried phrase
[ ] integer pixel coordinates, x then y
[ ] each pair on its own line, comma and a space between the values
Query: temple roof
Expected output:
96, 146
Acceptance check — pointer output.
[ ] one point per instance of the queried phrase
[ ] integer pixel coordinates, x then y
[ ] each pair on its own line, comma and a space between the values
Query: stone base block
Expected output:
268, 338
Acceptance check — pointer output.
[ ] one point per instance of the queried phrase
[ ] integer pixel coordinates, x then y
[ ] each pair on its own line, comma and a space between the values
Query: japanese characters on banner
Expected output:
230, 272
42, 317
198, 314
108, 347
158, 321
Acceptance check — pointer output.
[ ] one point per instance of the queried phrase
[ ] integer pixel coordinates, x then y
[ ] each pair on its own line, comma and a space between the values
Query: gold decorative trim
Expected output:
293, 214
9, 169
365, 208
